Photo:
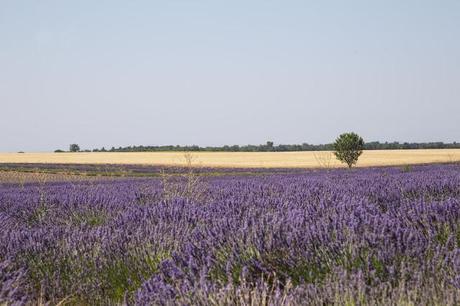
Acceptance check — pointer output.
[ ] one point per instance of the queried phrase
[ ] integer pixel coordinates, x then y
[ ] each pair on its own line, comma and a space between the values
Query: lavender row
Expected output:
134, 170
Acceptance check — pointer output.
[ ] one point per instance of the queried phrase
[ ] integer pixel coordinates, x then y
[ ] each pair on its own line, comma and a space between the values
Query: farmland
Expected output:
240, 159
375, 236
229, 153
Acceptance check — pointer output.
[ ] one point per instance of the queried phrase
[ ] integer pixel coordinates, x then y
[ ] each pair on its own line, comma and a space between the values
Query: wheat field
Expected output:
321, 159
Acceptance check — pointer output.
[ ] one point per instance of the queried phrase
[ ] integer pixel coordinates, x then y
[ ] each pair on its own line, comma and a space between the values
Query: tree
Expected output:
74, 148
348, 147
269, 145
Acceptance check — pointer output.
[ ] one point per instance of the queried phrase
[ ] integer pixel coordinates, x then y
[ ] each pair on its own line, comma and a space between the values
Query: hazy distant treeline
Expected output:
270, 147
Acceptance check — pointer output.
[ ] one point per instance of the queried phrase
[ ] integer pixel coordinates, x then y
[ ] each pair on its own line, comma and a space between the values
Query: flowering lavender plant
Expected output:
369, 236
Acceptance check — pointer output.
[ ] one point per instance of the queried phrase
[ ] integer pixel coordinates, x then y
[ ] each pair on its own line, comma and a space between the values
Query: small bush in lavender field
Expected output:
407, 168
366, 237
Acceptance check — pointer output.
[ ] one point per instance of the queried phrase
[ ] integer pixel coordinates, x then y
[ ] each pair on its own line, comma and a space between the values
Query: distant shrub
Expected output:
324, 159
407, 168
58, 151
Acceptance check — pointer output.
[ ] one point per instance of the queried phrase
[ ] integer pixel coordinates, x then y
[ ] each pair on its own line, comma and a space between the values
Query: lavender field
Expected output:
386, 236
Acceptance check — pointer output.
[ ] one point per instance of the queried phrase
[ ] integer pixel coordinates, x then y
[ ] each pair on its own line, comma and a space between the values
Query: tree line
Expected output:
269, 146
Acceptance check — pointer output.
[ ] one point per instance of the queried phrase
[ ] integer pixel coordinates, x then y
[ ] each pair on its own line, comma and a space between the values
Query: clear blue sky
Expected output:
103, 73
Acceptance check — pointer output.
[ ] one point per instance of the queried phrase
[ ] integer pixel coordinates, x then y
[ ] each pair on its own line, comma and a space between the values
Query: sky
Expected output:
118, 73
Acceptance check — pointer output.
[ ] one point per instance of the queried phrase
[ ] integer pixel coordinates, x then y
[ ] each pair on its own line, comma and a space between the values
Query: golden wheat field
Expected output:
241, 159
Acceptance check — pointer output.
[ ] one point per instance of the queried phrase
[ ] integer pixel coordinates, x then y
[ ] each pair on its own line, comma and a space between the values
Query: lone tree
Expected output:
74, 148
348, 147
269, 145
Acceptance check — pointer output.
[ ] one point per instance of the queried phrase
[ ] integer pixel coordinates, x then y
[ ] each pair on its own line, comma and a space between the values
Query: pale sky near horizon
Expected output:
117, 73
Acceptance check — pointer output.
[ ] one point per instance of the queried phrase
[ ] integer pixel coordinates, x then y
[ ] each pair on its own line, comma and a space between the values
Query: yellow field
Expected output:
243, 159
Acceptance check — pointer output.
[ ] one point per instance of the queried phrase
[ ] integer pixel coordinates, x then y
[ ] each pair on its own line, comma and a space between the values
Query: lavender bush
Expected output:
370, 236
